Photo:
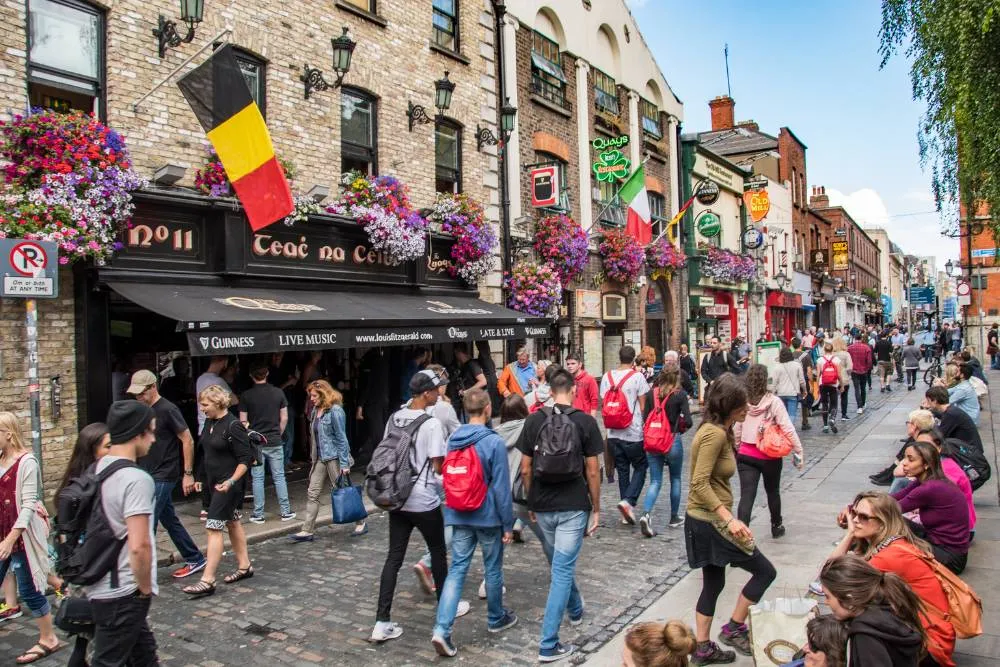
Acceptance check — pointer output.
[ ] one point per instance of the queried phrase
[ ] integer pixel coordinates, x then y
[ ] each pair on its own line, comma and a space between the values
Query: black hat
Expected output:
127, 419
425, 380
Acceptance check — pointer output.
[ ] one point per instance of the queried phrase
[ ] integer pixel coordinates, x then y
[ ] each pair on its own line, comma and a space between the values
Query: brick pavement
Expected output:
315, 603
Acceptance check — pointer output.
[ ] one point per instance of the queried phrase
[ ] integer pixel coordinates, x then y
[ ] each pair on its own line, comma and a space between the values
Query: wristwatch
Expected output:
189, 473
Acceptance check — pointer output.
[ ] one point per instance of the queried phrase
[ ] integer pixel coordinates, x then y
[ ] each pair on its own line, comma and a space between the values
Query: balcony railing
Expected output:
556, 94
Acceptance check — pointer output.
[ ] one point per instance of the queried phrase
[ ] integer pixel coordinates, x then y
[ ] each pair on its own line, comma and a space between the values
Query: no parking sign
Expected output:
30, 269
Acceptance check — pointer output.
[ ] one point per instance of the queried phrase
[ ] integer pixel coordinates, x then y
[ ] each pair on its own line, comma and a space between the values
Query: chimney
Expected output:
749, 124
722, 112
819, 198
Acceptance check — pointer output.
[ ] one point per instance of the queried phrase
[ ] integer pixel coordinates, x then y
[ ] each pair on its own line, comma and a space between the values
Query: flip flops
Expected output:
37, 652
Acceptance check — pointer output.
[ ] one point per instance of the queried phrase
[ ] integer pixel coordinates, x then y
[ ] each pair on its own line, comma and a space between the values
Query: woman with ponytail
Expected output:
881, 612
658, 645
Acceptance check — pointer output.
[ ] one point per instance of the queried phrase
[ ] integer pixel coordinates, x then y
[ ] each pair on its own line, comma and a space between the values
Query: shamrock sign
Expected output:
611, 166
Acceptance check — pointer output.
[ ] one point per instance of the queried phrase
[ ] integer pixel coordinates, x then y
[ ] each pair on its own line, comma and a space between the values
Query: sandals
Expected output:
37, 652
202, 589
239, 575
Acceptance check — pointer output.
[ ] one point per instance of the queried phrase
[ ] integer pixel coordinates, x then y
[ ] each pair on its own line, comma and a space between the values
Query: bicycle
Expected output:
933, 371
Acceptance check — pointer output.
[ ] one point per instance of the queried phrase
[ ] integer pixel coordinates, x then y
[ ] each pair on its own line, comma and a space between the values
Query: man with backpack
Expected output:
401, 479
861, 366
832, 379
808, 368
623, 392
561, 475
717, 362
120, 598
480, 511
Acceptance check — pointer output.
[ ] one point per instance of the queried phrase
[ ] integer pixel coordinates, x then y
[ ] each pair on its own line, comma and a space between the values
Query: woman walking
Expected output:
716, 539
227, 461
330, 453
847, 364
667, 392
911, 363
763, 410
513, 412
25, 529
789, 382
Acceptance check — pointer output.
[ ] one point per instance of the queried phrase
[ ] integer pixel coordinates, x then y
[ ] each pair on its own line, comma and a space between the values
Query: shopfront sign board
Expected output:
758, 203
30, 269
839, 255
545, 186
708, 192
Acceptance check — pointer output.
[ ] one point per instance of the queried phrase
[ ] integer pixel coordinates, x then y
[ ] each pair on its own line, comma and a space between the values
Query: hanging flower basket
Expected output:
304, 207
534, 288
211, 179
561, 241
622, 257
724, 266
475, 241
68, 179
664, 258
382, 207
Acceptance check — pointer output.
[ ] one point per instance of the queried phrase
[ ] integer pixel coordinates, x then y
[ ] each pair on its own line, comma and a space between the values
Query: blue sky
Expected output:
813, 66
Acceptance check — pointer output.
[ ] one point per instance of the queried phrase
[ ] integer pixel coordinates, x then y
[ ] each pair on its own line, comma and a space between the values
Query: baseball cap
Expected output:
424, 380
140, 380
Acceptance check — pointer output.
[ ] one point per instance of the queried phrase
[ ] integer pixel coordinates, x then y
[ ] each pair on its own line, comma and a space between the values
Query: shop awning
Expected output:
547, 66
227, 320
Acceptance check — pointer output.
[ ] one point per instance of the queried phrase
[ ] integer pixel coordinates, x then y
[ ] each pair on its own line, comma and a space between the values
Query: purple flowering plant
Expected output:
475, 240
664, 255
725, 266
561, 241
534, 288
622, 257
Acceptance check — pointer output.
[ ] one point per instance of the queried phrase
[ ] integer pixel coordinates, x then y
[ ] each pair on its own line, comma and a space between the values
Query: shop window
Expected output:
448, 157
547, 78
358, 132
547, 159
66, 56
253, 69
650, 119
657, 211
446, 24
605, 93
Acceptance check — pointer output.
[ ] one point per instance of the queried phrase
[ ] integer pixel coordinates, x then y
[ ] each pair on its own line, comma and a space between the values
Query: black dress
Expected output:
226, 445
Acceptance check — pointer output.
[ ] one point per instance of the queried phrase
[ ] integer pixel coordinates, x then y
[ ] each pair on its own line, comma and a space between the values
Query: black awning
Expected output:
229, 320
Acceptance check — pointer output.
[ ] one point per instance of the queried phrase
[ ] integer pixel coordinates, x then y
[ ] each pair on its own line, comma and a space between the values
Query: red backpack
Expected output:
829, 375
464, 480
657, 436
616, 412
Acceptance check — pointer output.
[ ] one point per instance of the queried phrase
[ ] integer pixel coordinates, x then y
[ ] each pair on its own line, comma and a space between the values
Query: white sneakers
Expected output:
384, 631
482, 590
861, 411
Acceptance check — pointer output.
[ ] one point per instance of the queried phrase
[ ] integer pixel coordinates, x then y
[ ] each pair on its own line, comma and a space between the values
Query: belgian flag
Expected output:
220, 98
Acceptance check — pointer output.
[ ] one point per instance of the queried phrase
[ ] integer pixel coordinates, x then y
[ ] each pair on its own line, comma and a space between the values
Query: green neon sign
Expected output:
611, 166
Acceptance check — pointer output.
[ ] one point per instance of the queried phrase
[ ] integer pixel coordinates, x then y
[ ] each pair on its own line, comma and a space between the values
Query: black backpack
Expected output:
391, 474
970, 460
86, 546
558, 454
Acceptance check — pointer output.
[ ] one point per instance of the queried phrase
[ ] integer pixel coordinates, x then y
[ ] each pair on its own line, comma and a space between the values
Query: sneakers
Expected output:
845, 418
482, 590
556, 653
628, 513
462, 609
9, 613
826, 428
676, 521
424, 578
288, 517
833, 426
188, 569
806, 427
256, 519
518, 533
816, 588
384, 631
645, 526
738, 638
778, 531
861, 411
709, 653
444, 646
579, 619
509, 620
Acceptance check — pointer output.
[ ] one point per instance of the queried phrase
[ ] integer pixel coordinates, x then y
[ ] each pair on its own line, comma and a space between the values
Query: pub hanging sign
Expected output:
611, 164
545, 186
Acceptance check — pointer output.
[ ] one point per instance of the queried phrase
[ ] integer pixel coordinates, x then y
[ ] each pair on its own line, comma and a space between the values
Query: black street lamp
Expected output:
485, 136
949, 268
443, 90
343, 51
781, 279
192, 12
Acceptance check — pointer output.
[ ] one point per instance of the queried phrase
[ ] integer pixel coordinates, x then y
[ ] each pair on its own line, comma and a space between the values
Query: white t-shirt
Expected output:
446, 414
128, 492
206, 380
635, 387
432, 444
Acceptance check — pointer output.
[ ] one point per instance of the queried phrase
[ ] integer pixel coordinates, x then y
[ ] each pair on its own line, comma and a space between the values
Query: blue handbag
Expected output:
348, 504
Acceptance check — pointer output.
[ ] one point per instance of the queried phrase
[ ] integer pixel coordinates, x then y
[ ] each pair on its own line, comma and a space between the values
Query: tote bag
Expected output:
778, 629
348, 504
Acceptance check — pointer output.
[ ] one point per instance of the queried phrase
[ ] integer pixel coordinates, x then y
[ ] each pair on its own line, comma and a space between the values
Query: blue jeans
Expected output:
34, 599
463, 547
791, 406
630, 466
674, 459
164, 513
288, 437
562, 532
275, 458
899, 483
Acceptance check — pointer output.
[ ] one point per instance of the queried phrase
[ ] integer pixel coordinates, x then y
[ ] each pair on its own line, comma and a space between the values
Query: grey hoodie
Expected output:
511, 433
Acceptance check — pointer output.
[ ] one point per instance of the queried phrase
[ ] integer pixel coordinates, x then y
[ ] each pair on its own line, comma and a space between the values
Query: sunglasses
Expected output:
861, 517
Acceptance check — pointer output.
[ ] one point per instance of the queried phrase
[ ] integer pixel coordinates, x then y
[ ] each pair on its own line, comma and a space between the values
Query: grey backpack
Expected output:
391, 474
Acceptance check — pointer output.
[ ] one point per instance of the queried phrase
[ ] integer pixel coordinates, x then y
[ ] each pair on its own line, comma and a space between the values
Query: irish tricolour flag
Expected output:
633, 195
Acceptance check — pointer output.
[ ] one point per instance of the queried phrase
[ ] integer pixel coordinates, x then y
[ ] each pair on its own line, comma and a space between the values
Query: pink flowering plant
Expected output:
622, 257
475, 241
211, 178
561, 241
534, 288
725, 266
664, 256
382, 206
67, 179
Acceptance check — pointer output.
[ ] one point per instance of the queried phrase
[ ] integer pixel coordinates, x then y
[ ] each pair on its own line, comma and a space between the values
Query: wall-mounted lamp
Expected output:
781, 279
343, 51
192, 12
318, 193
485, 137
443, 90
168, 174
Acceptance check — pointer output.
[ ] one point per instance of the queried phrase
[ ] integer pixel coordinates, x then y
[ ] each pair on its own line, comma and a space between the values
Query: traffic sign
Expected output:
963, 288
29, 268
921, 296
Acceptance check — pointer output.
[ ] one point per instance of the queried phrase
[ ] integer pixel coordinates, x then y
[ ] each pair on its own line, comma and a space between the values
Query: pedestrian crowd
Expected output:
474, 465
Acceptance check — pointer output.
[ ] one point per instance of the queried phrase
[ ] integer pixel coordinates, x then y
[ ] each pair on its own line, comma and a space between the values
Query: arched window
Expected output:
358, 132
448, 157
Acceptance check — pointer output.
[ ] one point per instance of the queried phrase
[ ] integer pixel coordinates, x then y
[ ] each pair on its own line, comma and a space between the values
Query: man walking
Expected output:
883, 354
120, 601
172, 443
624, 394
861, 365
832, 379
993, 346
489, 525
563, 491
715, 363
805, 358
586, 385
264, 409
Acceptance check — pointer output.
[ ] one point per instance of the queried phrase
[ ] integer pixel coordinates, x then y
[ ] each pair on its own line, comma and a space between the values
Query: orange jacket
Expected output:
508, 382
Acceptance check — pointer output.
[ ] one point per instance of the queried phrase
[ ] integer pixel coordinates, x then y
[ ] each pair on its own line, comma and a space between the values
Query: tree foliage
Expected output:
954, 50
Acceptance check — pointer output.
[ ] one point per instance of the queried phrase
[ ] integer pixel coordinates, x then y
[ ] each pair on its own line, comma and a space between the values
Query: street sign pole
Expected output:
34, 390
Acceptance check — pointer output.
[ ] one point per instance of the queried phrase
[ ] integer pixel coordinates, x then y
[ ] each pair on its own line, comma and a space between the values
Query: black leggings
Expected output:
714, 580
751, 470
828, 394
911, 377
955, 562
401, 525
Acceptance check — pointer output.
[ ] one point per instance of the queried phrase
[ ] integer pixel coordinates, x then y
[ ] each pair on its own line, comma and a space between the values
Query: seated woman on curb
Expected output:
826, 644
657, 645
944, 513
877, 531
951, 469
